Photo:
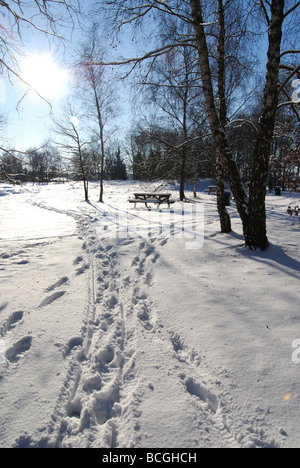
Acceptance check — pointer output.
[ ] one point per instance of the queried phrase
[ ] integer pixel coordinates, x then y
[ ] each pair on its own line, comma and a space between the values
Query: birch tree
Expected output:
98, 94
223, 213
174, 91
73, 144
256, 228
251, 207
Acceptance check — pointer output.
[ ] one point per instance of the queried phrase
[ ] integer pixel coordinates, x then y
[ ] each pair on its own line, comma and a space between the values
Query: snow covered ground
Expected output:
120, 329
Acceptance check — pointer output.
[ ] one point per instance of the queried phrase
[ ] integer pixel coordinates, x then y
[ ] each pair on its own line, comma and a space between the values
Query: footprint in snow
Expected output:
11, 322
22, 262
73, 343
15, 352
3, 305
112, 302
77, 260
58, 283
144, 317
53, 297
200, 391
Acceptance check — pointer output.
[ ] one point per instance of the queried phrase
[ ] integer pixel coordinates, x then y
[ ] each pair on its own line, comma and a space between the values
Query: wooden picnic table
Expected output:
211, 189
156, 198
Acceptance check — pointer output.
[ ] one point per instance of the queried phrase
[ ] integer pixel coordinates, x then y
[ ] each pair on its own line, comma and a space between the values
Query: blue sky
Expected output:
29, 117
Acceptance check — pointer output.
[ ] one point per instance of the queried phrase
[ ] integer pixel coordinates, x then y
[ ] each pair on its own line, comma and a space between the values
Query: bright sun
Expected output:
43, 75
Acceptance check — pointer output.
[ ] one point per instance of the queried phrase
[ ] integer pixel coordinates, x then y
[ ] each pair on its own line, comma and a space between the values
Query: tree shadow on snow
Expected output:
276, 257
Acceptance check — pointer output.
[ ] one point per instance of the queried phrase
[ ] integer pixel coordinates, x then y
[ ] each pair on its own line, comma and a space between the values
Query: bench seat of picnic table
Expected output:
156, 198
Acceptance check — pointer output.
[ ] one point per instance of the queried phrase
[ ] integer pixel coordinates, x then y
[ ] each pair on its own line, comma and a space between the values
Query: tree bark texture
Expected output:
223, 213
219, 136
256, 229
251, 210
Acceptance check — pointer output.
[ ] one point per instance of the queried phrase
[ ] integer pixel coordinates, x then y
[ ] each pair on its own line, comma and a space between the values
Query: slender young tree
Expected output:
98, 93
173, 89
72, 143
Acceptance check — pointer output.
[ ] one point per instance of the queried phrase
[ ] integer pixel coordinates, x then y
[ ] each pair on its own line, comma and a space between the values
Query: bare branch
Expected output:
292, 104
36, 15
243, 121
265, 12
136, 17
293, 72
17, 75
287, 103
13, 152
149, 55
292, 9
292, 51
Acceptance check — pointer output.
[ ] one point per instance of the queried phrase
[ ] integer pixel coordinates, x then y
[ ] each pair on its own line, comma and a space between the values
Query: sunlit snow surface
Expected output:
110, 339
20, 220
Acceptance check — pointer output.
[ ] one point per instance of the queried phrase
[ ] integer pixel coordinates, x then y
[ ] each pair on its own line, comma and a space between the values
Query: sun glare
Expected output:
43, 75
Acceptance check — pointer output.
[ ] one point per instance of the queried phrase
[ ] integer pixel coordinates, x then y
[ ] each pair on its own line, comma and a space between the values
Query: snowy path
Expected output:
98, 327
104, 392
110, 397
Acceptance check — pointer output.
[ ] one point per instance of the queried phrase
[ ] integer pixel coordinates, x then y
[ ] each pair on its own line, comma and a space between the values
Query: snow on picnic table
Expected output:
111, 339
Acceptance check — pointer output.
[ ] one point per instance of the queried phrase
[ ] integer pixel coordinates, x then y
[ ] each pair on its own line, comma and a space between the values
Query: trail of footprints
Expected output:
95, 397
100, 355
11, 322
92, 391
196, 387
91, 396
194, 382
101, 352
14, 352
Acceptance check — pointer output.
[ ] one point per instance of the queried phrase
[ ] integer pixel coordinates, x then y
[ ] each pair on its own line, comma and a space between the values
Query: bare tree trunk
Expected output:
182, 174
84, 174
84, 177
256, 229
102, 149
93, 83
219, 137
98, 92
223, 213
86, 189
185, 134
252, 211
101, 170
